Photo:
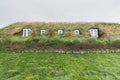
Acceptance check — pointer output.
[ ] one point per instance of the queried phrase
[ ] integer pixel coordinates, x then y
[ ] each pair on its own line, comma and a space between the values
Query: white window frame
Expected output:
43, 31
76, 32
26, 32
94, 32
60, 31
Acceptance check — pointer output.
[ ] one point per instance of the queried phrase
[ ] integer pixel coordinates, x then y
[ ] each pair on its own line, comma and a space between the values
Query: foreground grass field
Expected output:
56, 66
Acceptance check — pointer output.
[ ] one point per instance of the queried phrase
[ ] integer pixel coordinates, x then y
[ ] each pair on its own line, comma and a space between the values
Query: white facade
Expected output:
76, 32
26, 32
42, 32
94, 32
60, 31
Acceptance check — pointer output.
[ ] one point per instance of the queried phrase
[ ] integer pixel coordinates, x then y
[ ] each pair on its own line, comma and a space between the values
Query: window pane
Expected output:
43, 32
26, 32
76, 32
29, 32
60, 31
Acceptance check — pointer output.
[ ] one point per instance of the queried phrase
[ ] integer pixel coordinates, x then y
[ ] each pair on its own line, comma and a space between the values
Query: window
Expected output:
26, 32
76, 32
94, 32
43, 32
60, 31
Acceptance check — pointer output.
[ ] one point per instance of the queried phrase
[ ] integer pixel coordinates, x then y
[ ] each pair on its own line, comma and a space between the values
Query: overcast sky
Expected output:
59, 10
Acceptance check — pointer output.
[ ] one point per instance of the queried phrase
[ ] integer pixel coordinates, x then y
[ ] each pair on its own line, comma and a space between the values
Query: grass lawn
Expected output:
56, 66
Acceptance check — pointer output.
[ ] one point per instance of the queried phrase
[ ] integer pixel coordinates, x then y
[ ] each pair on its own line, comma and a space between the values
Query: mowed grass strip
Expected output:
58, 66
